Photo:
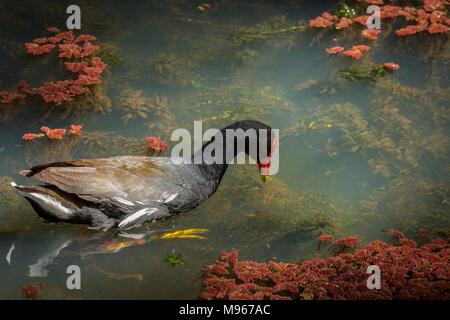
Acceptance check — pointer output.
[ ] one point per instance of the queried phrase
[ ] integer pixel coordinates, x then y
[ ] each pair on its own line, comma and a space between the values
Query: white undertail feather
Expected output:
138, 214
51, 205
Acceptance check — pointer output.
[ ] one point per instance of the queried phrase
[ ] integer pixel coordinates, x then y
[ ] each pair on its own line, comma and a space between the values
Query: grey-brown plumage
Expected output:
124, 191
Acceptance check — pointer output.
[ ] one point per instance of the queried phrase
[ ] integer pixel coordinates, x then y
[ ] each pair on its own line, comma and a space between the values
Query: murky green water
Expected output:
355, 158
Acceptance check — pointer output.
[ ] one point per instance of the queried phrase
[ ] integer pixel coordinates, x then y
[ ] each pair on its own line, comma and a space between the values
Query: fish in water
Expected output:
127, 191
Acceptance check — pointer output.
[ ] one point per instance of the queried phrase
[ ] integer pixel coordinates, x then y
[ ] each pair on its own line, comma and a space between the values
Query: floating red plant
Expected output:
32, 136
432, 17
75, 66
156, 144
32, 291
326, 238
41, 40
354, 53
97, 62
23, 86
409, 13
361, 48
75, 130
392, 66
408, 273
323, 21
348, 241
67, 37
335, 50
370, 33
361, 19
68, 50
372, 1
88, 49
388, 11
320, 22
85, 38
395, 233
54, 39
344, 23
424, 233
409, 30
62, 91
54, 134
437, 28
431, 5
36, 49
231, 257
8, 97
250, 270
438, 16
407, 242
329, 17
53, 30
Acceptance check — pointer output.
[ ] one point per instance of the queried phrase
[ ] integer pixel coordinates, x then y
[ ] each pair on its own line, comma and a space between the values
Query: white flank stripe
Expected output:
136, 215
171, 197
123, 201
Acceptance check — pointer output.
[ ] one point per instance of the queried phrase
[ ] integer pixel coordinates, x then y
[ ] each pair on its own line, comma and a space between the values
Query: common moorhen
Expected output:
127, 191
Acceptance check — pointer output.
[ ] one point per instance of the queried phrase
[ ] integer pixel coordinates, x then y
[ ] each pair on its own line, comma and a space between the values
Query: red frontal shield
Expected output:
264, 165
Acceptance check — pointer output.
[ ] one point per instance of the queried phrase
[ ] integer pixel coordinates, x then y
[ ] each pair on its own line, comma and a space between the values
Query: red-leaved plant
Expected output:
407, 272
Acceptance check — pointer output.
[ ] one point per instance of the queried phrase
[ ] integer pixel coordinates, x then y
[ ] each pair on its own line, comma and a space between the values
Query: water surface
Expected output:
355, 158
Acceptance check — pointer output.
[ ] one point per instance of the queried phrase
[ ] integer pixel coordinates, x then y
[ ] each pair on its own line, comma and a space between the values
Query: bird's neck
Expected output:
217, 169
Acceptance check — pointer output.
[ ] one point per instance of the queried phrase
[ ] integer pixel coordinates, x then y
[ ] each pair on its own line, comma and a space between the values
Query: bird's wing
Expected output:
124, 179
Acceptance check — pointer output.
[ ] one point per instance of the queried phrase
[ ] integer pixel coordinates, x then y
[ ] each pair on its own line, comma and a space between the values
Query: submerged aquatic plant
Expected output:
133, 104
109, 55
276, 25
408, 273
357, 74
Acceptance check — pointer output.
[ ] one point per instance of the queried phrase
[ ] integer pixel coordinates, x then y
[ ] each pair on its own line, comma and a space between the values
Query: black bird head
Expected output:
254, 138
